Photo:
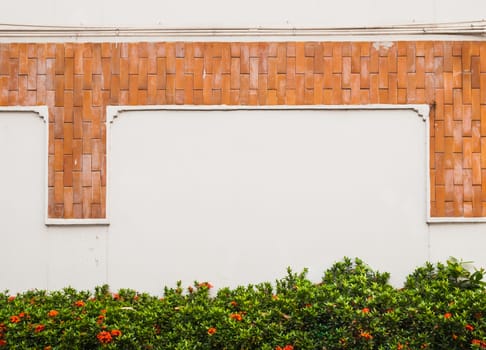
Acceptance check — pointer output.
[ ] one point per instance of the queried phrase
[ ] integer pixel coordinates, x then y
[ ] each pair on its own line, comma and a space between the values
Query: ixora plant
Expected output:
441, 306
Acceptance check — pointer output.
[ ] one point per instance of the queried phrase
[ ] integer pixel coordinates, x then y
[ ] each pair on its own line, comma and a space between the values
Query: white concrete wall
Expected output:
230, 197
220, 13
23, 236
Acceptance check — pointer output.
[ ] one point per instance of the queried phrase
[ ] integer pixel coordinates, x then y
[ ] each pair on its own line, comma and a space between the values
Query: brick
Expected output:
466, 88
272, 75
68, 203
162, 73
438, 73
458, 169
245, 60
152, 88
364, 73
96, 187
467, 152
346, 73
449, 185
142, 74
374, 94
466, 120
457, 135
476, 201
115, 89
420, 72
467, 186
337, 60
68, 170
23, 60
86, 201
97, 69
476, 169
87, 136
58, 155
483, 88
58, 187
291, 84
448, 121
483, 153
458, 201
402, 72
3, 90
429, 57
440, 200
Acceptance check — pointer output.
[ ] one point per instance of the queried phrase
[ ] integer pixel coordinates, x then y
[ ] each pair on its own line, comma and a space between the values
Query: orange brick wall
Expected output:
77, 81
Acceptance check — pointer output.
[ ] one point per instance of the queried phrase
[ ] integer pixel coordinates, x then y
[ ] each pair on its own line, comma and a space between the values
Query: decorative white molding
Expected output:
458, 220
76, 222
113, 112
41, 111
469, 29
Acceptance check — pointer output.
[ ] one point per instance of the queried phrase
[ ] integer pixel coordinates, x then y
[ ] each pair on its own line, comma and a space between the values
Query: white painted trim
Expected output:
448, 220
113, 112
76, 222
41, 111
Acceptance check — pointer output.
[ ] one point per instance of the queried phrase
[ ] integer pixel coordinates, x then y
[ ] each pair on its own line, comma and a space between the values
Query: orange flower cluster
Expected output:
11, 298
469, 327
15, 319
104, 337
116, 296
286, 347
39, 328
205, 285
116, 333
100, 319
447, 315
236, 317
79, 303
366, 335
211, 330
478, 342
52, 313
3, 329
365, 310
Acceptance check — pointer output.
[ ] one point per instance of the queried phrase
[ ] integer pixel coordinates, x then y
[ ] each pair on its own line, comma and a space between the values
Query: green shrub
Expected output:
441, 306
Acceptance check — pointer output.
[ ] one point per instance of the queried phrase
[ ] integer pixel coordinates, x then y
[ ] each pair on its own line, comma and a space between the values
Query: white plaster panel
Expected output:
236, 197
459, 240
76, 256
23, 236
